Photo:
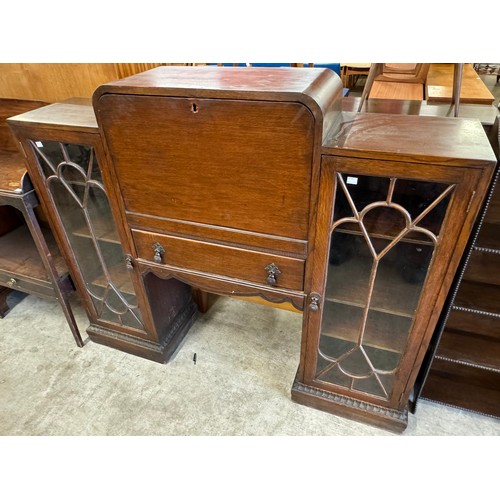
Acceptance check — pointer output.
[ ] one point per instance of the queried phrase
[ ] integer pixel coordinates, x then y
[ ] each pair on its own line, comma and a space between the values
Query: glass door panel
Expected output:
383, 238
73, 178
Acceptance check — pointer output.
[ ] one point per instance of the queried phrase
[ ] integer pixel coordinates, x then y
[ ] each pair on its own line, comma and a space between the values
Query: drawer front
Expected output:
41, 288
220, 260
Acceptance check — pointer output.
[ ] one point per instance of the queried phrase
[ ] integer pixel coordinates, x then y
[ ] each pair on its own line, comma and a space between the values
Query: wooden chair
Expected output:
395, 81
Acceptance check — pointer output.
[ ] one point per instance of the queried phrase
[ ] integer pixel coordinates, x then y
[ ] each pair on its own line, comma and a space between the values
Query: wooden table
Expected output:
439, 85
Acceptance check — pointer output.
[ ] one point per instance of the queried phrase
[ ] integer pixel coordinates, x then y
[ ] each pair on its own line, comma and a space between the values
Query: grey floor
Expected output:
247, 356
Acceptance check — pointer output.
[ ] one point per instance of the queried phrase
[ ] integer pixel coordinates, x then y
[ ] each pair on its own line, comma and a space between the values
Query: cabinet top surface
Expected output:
60, 115
420, 139
222, 82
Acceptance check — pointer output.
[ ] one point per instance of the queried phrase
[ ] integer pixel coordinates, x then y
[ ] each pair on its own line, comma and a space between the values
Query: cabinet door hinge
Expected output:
470, 201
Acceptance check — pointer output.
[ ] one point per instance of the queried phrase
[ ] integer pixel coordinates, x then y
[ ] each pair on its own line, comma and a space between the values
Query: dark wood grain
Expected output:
453, 142
478, 295
471, 347
484, 267
464, 360
9, 219
30, 265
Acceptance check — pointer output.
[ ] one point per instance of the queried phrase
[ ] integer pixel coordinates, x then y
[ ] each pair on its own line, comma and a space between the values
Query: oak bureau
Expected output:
218, 172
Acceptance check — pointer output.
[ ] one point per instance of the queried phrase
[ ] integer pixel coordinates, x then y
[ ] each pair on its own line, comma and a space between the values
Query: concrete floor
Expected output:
247, 356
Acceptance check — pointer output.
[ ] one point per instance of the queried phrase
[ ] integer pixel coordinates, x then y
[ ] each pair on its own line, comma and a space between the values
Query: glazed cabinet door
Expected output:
387, 232
72, 178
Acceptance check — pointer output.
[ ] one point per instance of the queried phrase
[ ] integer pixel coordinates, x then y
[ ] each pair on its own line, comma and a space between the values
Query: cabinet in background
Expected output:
463, 365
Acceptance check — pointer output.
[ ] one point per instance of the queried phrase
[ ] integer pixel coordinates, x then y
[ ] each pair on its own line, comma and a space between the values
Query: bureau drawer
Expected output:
221, 260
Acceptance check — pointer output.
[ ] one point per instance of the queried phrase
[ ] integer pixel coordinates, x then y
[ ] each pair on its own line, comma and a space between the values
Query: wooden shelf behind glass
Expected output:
383, 331
392, 294
104, 229
120, 278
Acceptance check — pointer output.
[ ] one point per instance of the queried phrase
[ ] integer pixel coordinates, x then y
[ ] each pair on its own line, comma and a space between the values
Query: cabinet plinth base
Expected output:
158, 352
354, 409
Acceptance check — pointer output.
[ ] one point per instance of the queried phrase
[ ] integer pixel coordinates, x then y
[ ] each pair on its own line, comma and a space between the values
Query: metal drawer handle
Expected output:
272, 274
11, 282
159, 253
